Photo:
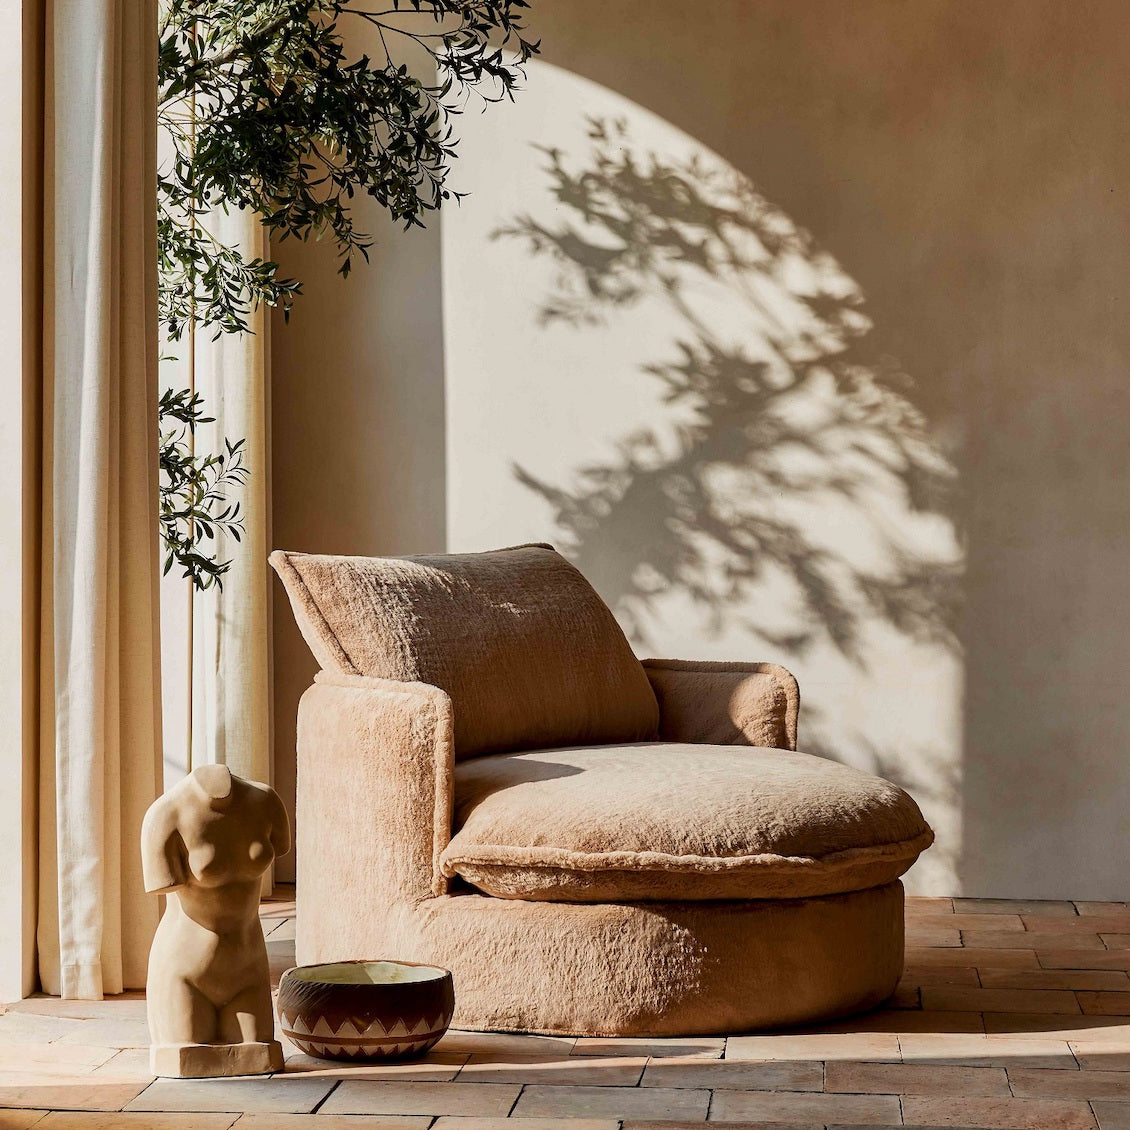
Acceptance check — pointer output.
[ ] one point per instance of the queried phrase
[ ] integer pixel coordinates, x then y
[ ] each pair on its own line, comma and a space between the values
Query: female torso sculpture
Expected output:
205, 844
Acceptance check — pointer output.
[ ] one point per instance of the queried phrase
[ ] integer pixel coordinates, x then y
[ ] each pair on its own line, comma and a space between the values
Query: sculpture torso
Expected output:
206, 844
226, 846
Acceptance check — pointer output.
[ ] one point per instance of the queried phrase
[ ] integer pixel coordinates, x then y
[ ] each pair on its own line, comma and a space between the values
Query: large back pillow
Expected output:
528, 652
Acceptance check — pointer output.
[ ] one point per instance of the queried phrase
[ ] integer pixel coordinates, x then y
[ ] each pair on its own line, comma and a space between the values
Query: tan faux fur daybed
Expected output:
489, 780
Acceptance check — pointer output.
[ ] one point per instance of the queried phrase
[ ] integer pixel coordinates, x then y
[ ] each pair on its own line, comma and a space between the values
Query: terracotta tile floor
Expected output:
1011, 1014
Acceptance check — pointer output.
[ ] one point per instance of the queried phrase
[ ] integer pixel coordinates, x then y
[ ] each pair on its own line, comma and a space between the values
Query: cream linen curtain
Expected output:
215, 652
231, 714
100, 706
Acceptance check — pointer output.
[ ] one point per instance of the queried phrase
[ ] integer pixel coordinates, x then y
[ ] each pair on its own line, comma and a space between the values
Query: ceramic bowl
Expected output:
365, 1010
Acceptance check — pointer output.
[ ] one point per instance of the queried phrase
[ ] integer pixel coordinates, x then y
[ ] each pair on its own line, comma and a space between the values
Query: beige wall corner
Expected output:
357, 424
357, 446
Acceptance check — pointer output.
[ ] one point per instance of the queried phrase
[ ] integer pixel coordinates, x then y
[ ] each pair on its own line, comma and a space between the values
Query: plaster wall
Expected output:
801, 328
357, 425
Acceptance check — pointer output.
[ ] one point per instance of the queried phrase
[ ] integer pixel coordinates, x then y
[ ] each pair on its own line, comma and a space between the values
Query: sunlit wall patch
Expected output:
651, 363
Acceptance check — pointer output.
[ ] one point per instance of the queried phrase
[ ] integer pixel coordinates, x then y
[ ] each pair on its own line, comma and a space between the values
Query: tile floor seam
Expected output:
150, 1084
325, 1098
517, 1097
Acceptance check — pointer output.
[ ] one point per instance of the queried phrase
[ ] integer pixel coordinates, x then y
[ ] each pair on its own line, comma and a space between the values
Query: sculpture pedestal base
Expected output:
211, 1061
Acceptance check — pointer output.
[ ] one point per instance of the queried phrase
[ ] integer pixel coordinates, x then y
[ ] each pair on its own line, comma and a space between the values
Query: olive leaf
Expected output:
264, 107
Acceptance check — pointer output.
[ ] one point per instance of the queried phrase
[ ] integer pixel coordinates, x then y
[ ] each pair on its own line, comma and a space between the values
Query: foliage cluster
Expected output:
264, 107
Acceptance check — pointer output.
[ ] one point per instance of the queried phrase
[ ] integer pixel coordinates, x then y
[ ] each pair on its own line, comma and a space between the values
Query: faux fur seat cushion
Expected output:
663, 821
528, 652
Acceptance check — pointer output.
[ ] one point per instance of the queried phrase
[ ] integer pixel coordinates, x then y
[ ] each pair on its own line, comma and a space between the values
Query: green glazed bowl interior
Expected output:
367, 973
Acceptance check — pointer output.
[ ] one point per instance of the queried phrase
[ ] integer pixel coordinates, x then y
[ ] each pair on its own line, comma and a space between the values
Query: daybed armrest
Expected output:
375, 767
725, 703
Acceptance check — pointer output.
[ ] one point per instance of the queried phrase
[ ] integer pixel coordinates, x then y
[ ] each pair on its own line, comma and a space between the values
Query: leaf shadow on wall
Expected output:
793, 488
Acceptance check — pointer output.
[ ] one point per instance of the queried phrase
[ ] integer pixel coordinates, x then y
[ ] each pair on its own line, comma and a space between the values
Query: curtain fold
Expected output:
216, 652
231, 712
100, 679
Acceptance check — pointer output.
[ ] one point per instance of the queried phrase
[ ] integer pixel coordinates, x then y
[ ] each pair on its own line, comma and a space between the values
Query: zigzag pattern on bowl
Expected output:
363, 1043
